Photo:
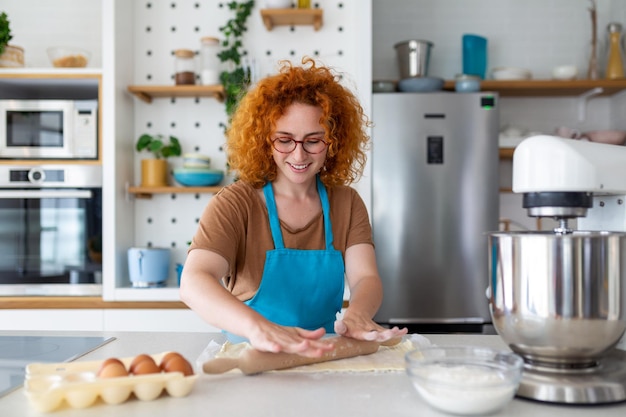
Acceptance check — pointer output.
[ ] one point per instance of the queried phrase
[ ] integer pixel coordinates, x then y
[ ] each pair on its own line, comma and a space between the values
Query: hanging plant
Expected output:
235, 78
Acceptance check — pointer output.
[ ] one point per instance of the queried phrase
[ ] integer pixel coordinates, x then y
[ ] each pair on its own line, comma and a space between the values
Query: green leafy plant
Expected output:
156, 145
235, 79
5, 31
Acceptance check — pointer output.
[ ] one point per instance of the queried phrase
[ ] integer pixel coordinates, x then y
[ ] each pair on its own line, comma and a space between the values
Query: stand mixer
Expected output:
558, 298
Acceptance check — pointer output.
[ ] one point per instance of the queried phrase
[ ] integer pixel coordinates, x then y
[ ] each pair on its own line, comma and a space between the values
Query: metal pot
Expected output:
558, 299
413, 58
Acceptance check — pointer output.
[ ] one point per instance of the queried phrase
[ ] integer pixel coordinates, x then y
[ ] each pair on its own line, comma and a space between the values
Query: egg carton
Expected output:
49, 385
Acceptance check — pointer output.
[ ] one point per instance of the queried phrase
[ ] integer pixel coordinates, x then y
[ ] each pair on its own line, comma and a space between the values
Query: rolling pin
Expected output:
253, 361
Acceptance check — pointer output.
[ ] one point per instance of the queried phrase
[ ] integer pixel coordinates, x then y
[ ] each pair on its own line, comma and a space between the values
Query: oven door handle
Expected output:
35, 194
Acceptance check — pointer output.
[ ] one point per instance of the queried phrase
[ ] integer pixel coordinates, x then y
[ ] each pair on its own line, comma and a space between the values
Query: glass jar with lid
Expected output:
185, 67
211, 65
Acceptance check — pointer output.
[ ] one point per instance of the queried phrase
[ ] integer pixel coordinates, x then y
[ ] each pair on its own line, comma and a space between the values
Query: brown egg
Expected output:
146, 367
108, 361
139, 359
179, 364
112, 370
167, 357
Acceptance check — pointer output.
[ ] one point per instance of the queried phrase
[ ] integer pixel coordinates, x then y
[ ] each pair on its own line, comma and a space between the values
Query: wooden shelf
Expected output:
147, 192
506, 153
48, 302
538, 88
292, 17
149, 92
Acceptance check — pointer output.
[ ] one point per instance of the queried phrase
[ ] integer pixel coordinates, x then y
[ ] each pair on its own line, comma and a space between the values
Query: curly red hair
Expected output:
249, 146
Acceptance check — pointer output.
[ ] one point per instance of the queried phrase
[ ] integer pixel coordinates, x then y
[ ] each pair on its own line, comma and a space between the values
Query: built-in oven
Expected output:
50, 230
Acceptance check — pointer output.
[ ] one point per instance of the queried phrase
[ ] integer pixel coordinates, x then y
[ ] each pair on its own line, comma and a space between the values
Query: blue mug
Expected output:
475, 55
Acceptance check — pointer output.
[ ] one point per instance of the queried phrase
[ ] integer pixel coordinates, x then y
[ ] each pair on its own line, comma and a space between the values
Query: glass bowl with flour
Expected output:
464, 380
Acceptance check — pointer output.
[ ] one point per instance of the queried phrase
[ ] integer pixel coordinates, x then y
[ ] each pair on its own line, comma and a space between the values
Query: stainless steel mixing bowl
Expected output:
558, 300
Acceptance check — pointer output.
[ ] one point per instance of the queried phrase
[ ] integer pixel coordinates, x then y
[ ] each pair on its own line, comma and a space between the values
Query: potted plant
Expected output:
235, 79
154, 170
10, 55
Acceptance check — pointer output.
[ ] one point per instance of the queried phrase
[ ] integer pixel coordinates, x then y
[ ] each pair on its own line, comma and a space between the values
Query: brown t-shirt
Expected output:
235, 225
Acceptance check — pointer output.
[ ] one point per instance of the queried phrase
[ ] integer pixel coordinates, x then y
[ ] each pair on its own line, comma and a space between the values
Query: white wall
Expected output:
39, 24
533, 34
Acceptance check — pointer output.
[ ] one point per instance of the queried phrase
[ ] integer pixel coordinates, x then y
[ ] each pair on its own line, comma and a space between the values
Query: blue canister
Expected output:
148, 267
475, 55
179, 272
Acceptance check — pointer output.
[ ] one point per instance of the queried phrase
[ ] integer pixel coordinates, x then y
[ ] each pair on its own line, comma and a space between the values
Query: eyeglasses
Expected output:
288, 145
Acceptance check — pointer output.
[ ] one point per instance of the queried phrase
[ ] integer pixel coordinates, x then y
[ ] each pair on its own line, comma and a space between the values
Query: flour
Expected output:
472, 389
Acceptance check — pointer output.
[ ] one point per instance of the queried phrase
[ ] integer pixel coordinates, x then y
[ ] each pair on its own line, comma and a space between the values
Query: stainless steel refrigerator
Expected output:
435, 194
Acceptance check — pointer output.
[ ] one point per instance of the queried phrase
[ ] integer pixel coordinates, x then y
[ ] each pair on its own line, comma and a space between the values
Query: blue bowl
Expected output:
197, 177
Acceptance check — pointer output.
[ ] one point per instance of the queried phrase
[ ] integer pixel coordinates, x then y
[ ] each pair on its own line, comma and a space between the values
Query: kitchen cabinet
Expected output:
149, 92
292, 17
107, 319
51, 319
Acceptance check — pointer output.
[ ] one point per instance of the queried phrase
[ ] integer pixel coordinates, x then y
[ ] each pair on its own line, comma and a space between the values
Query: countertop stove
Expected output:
18, 351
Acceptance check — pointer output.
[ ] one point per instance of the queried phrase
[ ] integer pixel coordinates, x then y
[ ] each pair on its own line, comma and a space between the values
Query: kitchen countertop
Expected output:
279, 394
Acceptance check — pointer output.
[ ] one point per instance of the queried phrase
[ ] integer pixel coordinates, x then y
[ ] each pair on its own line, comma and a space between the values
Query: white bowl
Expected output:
565, 72
511, 73
278, 4
464, 380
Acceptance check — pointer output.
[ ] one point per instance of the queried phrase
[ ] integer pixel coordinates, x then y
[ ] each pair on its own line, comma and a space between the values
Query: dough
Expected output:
387, 359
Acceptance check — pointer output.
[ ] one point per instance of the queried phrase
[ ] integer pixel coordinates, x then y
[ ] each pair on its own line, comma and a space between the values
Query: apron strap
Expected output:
270, 202
328, 230
277, 235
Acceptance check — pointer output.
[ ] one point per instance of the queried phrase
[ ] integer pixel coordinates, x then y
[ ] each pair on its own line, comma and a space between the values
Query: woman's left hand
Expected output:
363, 328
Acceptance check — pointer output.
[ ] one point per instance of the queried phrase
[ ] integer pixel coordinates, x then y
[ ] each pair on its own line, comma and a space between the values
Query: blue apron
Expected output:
302, 288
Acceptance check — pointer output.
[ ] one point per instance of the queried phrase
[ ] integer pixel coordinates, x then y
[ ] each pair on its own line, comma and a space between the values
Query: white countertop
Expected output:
276, 394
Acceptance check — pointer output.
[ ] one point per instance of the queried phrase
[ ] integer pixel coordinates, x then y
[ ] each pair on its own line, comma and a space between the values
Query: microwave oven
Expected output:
48, 129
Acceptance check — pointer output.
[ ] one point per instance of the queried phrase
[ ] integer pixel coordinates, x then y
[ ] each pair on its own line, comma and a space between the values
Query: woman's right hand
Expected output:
271, 337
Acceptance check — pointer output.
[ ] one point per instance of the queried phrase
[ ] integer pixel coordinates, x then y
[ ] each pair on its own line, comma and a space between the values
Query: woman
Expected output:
273, 250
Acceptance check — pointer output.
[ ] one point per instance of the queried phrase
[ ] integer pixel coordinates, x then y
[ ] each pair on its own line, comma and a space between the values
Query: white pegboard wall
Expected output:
164, 26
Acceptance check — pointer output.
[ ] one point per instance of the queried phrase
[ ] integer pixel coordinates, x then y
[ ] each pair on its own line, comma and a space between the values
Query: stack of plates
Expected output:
196, 160
420, 84
511, 73
197, 172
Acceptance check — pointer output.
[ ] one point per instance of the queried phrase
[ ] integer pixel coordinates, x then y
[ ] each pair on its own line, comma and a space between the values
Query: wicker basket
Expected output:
12, 57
